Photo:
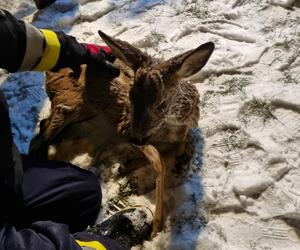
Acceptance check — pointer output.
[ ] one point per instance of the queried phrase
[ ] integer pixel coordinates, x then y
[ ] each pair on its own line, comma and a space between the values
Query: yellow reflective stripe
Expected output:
51, 52
92, 244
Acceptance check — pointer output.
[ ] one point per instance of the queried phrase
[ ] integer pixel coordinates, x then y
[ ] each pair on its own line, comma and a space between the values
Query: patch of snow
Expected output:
244, 192
252, 184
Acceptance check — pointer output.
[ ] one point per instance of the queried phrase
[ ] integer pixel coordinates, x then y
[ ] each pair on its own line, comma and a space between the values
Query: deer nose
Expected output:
139, 140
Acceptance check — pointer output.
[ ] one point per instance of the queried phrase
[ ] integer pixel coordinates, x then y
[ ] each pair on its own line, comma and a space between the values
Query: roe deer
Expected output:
149, 103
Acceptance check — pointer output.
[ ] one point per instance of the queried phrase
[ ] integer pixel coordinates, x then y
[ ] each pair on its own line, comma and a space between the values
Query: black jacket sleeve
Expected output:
48, 235
40, 235
24, 47
12, 41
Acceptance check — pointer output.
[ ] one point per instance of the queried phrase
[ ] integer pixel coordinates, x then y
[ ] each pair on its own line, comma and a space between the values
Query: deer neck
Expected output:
173, 115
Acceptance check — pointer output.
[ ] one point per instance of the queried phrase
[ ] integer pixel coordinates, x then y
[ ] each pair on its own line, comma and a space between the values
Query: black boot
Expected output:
129, 227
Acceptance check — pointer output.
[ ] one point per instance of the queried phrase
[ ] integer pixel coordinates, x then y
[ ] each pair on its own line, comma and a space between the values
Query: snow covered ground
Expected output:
245, 191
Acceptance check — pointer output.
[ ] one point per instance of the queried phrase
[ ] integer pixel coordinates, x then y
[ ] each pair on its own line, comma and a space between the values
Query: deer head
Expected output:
155, 83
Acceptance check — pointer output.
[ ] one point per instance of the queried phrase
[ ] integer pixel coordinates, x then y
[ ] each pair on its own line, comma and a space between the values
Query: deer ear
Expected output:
190, 62
130, 55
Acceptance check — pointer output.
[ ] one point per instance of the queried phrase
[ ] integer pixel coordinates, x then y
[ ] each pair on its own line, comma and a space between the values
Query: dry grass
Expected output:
259, 108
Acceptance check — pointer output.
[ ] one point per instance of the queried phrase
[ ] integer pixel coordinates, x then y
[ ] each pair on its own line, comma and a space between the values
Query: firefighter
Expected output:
47, 204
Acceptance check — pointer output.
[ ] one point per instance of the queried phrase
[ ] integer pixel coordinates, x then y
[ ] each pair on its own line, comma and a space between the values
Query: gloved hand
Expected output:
105, 50
73, 54
101, 55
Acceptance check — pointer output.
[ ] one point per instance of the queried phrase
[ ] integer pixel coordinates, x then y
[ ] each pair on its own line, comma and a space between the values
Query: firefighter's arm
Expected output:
24, 47
52, 236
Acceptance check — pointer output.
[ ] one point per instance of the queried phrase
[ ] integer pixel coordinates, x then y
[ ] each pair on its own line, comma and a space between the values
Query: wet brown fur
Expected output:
98, 117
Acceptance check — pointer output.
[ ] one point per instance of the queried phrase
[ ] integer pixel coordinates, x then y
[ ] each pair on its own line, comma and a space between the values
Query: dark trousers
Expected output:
43, 202
59, 192
33, 189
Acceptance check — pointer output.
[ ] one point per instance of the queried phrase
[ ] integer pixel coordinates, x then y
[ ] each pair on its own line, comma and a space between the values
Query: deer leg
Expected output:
142, 179
37, 145
132, 166
159, 166
159, 202
61, 116
168, 150
50, 128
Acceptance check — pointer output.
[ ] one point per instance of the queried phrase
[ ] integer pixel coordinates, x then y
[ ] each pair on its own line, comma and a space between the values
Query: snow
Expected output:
244, 192
25, 94
248, 185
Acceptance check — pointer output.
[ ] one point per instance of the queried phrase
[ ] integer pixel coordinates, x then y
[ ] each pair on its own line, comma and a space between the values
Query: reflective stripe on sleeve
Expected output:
51, 52
93, 245
34, 47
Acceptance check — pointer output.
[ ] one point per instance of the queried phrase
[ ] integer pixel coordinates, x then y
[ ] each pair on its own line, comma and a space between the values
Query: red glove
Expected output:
101, 55
93, 48
96, 49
